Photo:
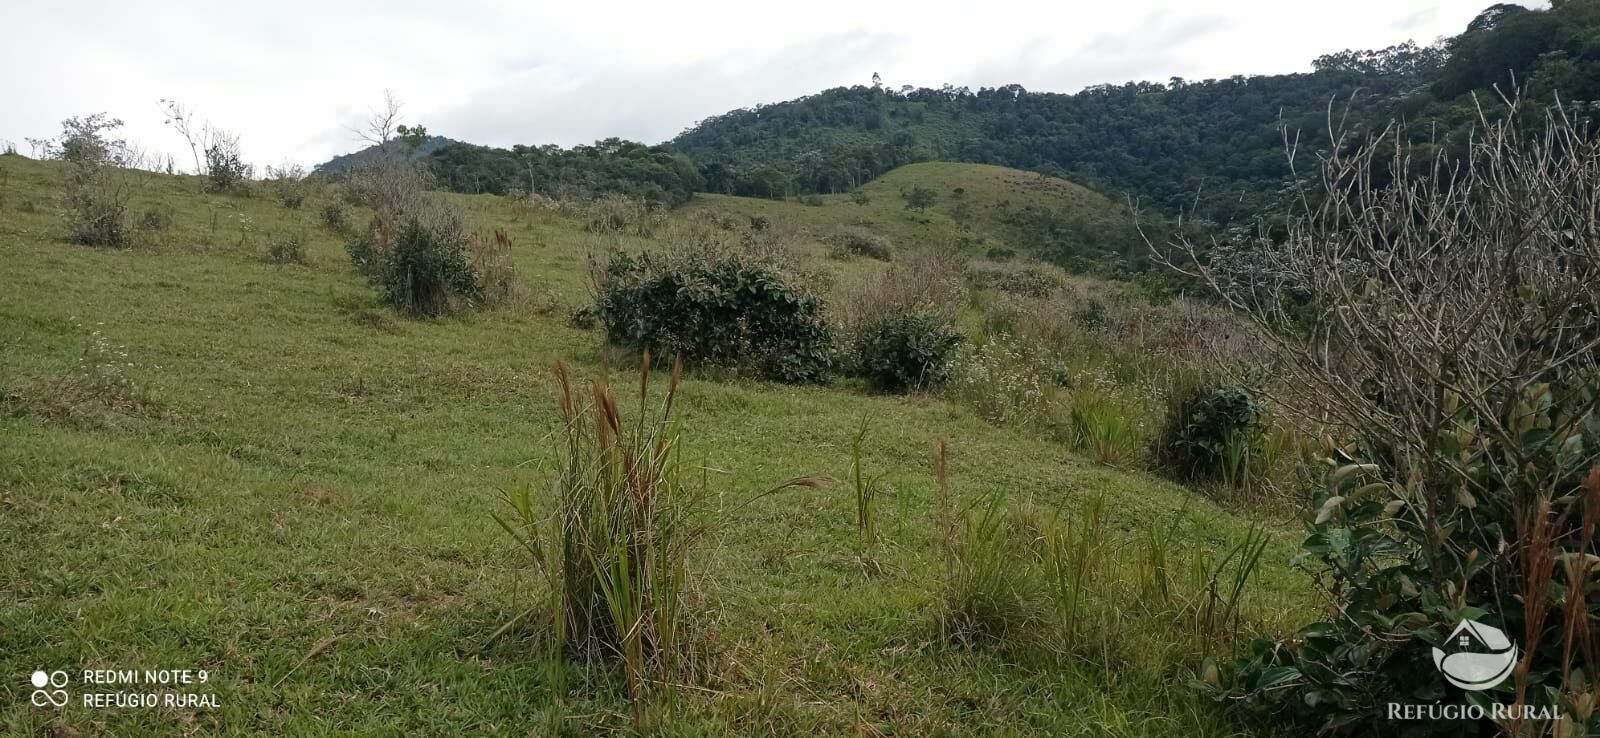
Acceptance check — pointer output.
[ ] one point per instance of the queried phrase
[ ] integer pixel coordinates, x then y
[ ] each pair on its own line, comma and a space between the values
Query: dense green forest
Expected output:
612, 165
1216, 145
1221, 139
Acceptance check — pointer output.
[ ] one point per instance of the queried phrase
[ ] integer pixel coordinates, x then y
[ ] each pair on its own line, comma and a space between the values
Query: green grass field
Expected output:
985, 190
300, 463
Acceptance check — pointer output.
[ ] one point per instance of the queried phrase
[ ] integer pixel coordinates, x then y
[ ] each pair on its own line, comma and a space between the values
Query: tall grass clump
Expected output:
613, 558
613, 215
1075, 552
1098, 424
986, 594
1028, 280
496, 270
866, 497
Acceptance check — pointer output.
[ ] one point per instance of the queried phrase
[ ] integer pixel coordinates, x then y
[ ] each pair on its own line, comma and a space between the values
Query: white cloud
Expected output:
290, 76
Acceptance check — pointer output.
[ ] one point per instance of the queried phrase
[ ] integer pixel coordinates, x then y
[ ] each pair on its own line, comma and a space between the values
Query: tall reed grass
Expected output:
613, 558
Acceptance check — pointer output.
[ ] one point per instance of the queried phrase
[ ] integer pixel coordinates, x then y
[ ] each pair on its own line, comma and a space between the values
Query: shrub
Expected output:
814, 201
618, 215
906, 350
287, 248
288, 183
860, 198
333, 217
727, 310
422, 267
926, 280
1029, 280
155, 219
919, 198
1210, 431
226, 170
1004, 380
1465, 378
97, 199
861, 242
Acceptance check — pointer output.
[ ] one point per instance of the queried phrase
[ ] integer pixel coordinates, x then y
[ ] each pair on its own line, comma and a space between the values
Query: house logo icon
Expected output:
1483, 656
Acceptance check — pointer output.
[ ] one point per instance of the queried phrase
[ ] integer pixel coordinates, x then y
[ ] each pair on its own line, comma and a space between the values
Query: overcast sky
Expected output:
290, 76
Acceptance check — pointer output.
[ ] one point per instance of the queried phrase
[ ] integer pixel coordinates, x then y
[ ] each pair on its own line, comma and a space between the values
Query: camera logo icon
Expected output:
48, 689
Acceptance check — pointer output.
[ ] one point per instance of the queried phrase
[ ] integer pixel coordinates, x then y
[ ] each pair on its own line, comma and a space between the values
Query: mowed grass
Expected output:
312, 474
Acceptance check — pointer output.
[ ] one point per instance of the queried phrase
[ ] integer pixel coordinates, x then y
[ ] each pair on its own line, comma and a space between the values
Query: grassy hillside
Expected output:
977, 207
278, 480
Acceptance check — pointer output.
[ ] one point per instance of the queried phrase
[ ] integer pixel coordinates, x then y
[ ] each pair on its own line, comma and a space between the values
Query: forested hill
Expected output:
1162, 142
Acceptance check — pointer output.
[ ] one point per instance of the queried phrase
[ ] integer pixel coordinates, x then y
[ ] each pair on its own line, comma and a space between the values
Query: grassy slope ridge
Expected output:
312, 466
988, 191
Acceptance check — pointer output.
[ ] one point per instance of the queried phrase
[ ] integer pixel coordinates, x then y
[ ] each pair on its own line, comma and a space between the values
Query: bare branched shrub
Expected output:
288, 183
1413, 304
217, 154
1444, 315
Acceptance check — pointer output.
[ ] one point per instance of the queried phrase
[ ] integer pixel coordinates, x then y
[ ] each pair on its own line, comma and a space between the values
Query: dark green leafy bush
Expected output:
1210, 431
422, 268
906, 350
727, 310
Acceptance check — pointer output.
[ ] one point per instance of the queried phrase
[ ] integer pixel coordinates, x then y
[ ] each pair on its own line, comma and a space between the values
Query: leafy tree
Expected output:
919, 198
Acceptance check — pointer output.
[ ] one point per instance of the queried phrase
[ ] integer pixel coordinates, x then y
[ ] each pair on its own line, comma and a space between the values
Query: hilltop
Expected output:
978, 207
